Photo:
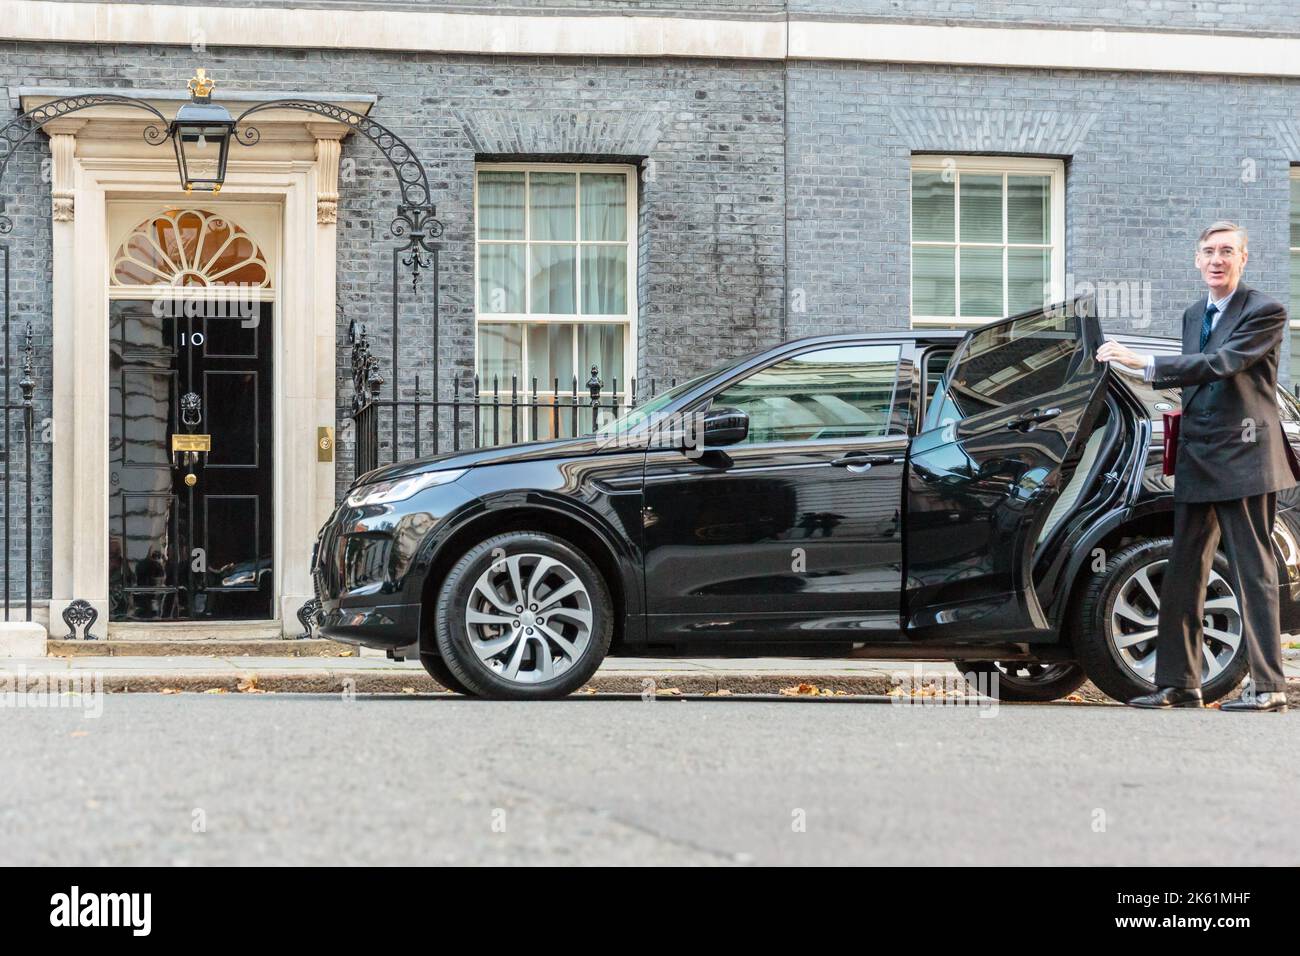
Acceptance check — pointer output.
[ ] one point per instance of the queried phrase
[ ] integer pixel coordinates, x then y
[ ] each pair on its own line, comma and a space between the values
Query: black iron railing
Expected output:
478, 414
17, 452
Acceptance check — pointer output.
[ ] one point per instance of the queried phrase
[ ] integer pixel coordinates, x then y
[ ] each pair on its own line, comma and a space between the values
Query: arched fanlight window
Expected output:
190, 248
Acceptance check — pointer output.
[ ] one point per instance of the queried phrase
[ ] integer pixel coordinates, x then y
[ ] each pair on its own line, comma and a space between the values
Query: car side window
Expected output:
833, 393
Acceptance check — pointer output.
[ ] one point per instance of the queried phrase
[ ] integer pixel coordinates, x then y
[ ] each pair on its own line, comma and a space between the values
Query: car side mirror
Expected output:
725, 426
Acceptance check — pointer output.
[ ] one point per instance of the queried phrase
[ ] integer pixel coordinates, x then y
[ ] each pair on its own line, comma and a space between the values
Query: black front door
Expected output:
1000, 441
190, 535
795, 533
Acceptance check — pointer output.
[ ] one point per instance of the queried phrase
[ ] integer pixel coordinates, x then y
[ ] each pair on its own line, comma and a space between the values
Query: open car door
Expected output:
999, 442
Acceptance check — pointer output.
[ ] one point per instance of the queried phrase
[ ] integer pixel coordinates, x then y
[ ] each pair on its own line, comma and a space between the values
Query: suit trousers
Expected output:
1246, 528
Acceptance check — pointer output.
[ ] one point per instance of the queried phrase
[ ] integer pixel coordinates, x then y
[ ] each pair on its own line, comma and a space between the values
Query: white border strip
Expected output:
390, 30
1064, 49
648, 36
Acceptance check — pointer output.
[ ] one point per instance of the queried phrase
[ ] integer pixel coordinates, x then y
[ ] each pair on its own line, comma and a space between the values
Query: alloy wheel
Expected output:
1028, 672
529, 618
1134, 617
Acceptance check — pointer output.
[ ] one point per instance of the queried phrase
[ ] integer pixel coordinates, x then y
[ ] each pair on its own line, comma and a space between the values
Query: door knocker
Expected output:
189, 447
191, 409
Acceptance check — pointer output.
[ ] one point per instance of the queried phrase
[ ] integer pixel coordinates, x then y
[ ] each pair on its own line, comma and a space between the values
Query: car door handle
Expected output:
863, 461
1029, 419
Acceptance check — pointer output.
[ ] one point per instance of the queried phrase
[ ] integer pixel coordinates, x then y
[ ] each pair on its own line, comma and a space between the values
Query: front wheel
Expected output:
523, 616
1114, 626
436, 668
1023, 682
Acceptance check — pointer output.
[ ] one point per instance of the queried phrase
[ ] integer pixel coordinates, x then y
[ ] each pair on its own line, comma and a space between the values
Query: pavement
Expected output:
363, 675
199, 779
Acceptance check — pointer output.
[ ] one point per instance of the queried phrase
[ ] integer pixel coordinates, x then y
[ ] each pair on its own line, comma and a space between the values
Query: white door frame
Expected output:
296, 168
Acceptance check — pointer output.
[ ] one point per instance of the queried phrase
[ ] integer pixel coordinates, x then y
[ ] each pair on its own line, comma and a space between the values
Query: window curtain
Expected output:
501, 265
604, 268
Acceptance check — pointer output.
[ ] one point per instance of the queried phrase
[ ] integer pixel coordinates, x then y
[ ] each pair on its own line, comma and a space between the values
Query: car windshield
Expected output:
642, 414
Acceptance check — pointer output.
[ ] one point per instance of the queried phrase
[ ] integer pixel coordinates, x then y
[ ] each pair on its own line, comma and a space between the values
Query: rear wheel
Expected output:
522, 616
1023, 681
1114, 625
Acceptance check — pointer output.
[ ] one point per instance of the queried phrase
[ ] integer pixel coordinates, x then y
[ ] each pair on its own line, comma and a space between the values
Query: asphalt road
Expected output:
419, 780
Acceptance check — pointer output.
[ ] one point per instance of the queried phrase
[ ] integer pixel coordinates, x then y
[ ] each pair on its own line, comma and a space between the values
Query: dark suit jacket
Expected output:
1231, 444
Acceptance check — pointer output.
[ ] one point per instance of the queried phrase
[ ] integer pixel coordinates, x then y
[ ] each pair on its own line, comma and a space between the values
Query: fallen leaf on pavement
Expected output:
803, 690
216, 690
345, 653
248, 685
170, 690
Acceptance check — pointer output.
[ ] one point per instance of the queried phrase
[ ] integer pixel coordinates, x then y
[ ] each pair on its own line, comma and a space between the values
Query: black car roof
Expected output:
922, 336
940, 336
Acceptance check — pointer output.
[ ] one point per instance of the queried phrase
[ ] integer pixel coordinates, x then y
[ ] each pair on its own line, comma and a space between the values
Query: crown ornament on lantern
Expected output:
200, 86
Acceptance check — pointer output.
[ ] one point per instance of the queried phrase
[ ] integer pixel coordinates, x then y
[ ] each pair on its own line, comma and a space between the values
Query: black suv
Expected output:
994, 499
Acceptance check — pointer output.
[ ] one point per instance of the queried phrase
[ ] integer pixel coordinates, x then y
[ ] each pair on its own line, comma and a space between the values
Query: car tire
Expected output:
1117, 606
439, 671
1022, 681
493, 621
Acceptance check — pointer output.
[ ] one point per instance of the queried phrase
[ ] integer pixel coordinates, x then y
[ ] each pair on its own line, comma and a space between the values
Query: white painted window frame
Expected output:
627, 319
984, 165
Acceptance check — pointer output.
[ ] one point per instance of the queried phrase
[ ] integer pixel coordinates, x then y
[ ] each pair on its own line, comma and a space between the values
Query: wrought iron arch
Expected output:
416, 220
21, 129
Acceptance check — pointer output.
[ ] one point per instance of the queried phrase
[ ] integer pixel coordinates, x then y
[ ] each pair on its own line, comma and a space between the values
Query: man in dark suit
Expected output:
1233, 459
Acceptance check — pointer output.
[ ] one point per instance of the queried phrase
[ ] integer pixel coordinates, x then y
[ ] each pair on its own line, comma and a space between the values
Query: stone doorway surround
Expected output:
100, 157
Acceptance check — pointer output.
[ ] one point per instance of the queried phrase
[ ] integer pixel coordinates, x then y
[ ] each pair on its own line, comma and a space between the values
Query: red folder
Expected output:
1171, 441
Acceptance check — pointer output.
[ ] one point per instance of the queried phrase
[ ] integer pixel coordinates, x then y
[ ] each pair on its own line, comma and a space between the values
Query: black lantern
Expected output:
201, 134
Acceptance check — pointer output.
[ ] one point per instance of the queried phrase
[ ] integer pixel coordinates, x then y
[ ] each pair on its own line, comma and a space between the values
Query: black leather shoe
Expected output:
1167, 697
1258, 703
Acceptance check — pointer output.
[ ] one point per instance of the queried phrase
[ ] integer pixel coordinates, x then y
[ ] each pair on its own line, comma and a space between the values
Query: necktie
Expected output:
1207, 323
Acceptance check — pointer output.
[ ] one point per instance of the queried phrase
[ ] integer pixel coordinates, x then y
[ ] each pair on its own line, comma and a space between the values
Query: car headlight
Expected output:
399, 489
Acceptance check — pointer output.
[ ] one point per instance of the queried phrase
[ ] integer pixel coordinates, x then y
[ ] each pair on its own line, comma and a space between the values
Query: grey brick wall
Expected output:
1140, 178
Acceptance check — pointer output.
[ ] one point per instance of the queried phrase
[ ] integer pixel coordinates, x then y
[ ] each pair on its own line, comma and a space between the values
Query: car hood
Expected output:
501, 454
